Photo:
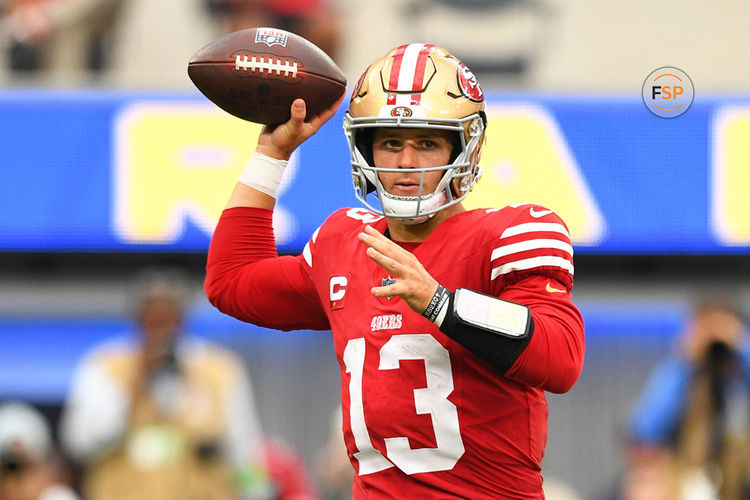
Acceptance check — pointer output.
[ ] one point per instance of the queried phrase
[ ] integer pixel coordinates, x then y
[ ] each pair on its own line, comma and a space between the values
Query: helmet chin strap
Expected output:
413, 221
405, 207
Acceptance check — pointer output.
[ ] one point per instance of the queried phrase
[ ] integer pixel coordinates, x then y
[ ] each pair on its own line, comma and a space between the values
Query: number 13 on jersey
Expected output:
432, 400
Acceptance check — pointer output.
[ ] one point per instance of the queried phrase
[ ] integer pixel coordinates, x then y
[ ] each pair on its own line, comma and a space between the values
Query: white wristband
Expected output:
263, 173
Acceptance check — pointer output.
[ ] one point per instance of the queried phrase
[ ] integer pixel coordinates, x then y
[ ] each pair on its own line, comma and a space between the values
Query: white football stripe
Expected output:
532, 227
537, 244
520, 265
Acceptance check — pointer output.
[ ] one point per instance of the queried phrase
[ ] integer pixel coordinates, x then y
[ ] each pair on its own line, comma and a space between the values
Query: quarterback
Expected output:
449, 324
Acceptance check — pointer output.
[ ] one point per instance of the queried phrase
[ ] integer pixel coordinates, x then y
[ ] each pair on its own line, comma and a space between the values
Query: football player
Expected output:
449, 324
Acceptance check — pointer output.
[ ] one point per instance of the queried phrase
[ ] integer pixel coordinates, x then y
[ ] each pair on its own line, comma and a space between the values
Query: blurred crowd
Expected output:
66, 41
160, 414
688, 435
538, 44
115, 43
157, 414
164, 415
48, 35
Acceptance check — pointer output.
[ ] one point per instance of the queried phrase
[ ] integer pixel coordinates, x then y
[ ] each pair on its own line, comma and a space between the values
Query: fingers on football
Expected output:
298, 112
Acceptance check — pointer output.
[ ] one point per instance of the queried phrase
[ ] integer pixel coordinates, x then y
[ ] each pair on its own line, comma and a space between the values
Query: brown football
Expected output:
256, 73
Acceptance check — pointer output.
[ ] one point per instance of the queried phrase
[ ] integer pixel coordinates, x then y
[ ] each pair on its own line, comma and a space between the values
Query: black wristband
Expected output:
437, 302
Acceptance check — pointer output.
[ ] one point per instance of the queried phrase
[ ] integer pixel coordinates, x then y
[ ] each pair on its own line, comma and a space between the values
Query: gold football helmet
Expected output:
417, 86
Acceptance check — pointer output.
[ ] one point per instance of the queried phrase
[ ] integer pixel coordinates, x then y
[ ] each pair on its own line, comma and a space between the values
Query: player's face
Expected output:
405, 149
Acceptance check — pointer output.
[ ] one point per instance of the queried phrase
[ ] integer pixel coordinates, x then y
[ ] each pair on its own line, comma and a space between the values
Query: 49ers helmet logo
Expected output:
401, 111
468, 84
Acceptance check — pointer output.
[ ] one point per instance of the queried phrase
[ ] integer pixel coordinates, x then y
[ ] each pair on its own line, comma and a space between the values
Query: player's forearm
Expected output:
246, 196
259, 182
470, 318
553, 359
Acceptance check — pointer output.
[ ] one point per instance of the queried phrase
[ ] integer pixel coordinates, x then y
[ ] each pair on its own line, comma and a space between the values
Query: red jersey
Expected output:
422, 415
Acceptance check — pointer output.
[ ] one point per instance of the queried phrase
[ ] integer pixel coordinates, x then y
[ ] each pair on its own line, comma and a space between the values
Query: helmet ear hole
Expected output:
363, 140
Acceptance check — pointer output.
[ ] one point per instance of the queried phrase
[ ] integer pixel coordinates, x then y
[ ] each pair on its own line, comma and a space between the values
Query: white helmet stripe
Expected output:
409, 67
395, 71
407, 73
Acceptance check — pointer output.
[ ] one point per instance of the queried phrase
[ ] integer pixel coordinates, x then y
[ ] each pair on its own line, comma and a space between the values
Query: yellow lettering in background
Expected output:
526, 160
731, 176
175, 160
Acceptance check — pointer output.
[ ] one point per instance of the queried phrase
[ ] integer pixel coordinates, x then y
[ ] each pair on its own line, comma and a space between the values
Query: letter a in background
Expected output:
526, 160
730, 182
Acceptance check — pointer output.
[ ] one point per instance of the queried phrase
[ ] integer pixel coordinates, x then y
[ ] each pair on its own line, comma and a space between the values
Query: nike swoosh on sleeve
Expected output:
540, 213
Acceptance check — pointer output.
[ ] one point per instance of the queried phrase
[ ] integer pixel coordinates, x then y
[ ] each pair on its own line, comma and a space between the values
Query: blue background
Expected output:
650, 176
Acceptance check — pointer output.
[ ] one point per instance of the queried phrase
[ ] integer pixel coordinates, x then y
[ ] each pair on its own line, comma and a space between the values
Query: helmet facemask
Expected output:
458, 176
416, 86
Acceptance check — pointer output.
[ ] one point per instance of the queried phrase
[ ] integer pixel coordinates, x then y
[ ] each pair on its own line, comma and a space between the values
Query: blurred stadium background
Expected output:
108, 171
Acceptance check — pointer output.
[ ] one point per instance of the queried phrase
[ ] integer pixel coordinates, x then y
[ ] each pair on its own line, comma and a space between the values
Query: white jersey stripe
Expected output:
533, 227
306, 253
520, 265
537, 244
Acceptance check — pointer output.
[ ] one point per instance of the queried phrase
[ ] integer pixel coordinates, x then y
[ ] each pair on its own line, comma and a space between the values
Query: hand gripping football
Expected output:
255, 74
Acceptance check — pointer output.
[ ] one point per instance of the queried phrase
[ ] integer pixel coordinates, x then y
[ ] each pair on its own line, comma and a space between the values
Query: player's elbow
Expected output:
557, 375
553, 360
565, 372
570, 349
233, 294
564, 380
219, 292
